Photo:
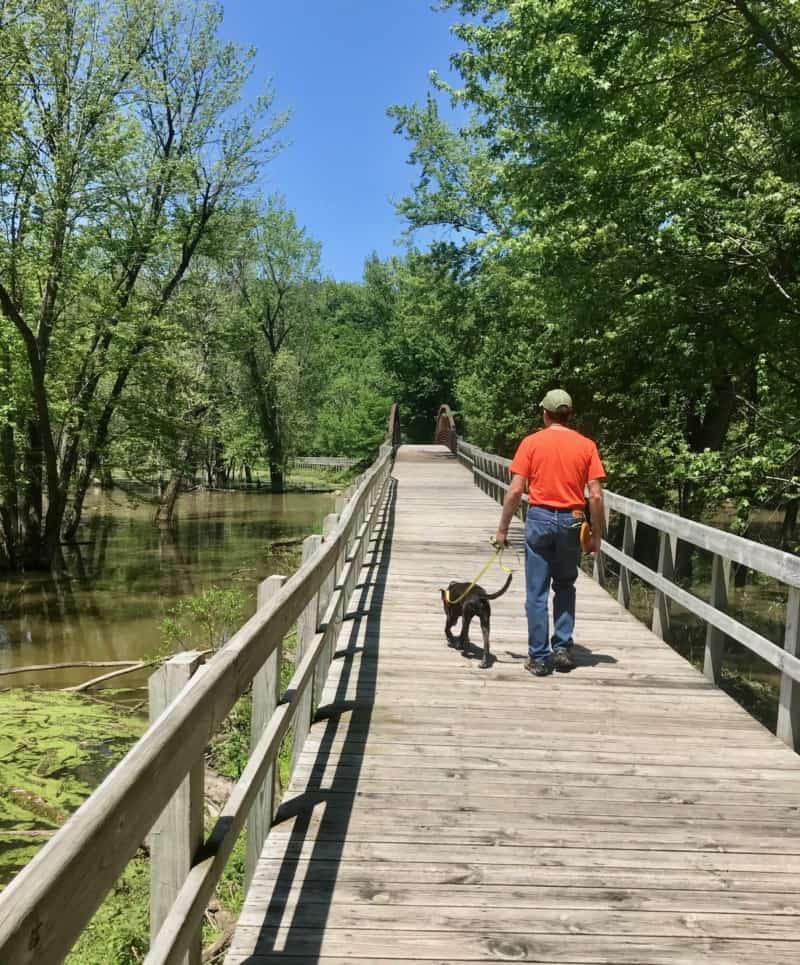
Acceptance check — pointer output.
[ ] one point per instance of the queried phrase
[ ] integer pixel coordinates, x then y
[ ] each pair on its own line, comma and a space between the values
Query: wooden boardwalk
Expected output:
628, 812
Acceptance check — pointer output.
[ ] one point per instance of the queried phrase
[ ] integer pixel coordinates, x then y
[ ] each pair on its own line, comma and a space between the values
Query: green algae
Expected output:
54, 750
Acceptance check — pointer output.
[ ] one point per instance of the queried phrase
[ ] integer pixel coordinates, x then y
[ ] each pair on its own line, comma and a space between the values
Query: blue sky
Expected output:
337, 65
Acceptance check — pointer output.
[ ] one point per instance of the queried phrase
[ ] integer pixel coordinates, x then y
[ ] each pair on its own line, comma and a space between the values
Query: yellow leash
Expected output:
497, 555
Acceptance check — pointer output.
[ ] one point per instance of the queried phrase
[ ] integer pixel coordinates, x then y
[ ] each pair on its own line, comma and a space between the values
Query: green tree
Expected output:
275, 276
128, 149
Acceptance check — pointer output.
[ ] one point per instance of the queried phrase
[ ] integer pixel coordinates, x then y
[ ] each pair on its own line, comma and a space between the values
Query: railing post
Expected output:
343, 499
323, 666
666, 568
307, 624
266, 694
788, 728
715, 639
628, 544
178, 833
599, 566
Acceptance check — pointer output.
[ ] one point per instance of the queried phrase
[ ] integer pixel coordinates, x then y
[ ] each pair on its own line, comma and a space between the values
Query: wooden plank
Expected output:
446, 947
448, 884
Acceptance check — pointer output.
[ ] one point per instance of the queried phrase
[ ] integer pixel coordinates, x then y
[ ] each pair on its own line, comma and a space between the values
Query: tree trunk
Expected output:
276, 477
81, 489
789, 527
9, 500
169, 497
703, 432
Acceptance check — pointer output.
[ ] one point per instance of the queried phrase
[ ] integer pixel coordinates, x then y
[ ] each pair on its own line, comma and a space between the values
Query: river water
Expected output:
125, 575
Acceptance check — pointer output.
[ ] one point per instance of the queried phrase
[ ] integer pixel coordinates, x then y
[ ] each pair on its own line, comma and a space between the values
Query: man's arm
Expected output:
513, 495
596, 513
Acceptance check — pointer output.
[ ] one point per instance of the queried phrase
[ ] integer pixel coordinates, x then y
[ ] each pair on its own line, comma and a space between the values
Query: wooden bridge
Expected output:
627, 812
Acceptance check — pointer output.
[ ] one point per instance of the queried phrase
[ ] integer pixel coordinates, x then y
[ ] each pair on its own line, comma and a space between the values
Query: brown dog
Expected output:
474, 603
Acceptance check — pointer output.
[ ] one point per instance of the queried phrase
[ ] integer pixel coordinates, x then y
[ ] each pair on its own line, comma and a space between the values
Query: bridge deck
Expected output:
628, 812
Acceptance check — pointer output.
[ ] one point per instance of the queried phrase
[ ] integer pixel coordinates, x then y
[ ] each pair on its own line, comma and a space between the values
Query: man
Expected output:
557, 463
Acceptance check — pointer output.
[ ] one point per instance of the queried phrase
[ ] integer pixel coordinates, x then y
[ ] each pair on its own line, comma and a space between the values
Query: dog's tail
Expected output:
502, 590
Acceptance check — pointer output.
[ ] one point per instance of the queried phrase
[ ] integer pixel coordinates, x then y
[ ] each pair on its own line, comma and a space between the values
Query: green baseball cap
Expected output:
555, 400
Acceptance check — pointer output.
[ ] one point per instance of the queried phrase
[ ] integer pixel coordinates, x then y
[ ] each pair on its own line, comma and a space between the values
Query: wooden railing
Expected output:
157, 788
491, 474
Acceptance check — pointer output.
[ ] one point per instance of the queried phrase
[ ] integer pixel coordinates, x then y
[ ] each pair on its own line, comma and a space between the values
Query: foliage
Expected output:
230, 746
273, 275
203, 621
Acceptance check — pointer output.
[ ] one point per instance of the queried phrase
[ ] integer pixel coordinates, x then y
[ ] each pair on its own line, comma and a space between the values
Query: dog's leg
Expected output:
485, 631
450, 622
463, 643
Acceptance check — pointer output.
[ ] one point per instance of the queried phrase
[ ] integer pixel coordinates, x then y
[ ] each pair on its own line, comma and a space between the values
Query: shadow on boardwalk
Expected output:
337, 798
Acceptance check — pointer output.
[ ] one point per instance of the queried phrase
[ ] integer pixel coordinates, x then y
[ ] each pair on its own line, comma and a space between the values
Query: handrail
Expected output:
46, 906
491, 473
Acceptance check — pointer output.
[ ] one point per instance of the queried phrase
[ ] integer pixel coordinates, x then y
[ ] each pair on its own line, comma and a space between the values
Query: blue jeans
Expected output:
552, 553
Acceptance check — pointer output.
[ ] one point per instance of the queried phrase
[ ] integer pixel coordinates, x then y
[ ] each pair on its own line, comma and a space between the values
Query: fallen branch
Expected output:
283, 541
131, 668
36, 667
38, 834
140, 665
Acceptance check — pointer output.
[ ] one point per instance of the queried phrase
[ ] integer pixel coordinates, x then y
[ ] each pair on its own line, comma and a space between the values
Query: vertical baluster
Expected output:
307, 624
599, 565
266, 694
321, 671
666, 568
789, 707
715, 639
178, 833
628, 543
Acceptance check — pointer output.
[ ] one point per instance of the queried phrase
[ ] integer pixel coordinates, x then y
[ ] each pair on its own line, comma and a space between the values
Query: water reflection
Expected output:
125, 574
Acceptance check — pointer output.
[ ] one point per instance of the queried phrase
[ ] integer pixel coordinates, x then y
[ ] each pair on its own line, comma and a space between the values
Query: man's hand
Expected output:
595, 540
500, 538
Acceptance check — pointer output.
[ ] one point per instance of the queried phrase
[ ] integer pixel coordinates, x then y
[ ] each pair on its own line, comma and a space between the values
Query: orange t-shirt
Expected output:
557, 462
